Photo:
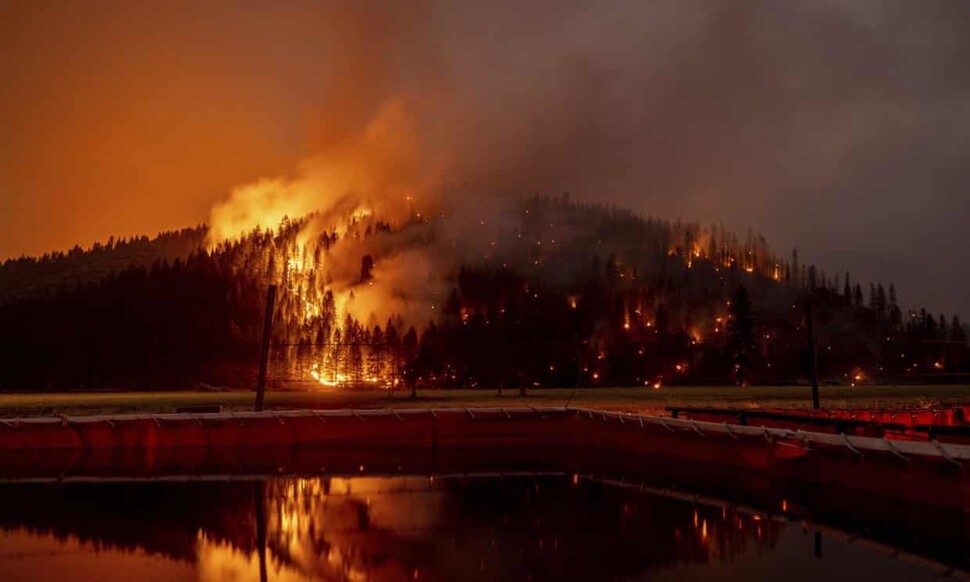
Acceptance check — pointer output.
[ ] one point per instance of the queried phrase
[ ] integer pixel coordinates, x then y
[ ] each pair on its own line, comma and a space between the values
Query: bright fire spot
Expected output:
332, 380
361, 213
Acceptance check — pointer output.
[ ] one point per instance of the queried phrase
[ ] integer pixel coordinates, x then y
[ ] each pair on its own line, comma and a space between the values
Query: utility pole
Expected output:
264, 347
812, 352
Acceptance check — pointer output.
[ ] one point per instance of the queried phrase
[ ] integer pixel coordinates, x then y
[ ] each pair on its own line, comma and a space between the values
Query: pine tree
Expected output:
355, 356
740, 342
394, 352
366, 269
375, 357
427, 357
957, 333
895, 314
334, 356
409, 349
452, 308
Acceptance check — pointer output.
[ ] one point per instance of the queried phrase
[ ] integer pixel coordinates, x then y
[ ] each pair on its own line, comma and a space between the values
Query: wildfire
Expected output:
363, 215
337, 379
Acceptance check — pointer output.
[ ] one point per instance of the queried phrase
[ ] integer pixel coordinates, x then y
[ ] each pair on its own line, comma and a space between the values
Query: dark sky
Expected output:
841, 128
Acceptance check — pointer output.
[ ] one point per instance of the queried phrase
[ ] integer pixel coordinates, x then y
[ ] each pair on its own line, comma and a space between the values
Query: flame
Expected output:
357, 198
342, 191
354, 174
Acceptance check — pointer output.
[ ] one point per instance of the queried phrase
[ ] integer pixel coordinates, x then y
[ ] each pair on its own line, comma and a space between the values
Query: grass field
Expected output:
627, 399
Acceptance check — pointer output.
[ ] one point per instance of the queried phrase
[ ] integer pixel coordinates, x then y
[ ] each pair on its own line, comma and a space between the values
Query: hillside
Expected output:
32, 276
538, 292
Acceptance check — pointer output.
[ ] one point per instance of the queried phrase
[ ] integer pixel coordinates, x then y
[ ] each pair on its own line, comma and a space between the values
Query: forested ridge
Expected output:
574, 294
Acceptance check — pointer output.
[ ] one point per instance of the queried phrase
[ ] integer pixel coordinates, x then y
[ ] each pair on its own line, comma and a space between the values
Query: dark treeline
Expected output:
579, 295
154, 327
30, 276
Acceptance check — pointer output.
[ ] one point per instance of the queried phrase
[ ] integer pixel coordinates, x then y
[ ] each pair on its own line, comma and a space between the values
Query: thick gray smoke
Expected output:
837, 127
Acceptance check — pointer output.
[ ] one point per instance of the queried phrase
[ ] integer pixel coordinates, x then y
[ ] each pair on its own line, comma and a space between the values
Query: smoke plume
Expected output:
789, 117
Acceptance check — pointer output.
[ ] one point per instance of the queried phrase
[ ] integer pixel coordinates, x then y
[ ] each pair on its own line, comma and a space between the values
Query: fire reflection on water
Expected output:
398, 528
348, 529
217, 561
329, 529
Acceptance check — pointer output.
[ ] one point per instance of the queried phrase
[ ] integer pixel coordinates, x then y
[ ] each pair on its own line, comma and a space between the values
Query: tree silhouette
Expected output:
741, 343
147, 314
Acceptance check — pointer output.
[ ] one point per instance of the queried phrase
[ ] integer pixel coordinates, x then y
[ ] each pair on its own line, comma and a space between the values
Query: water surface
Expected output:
419, 528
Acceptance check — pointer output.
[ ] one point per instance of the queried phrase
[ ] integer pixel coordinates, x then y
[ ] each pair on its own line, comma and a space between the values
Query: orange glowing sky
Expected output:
122, 117
123, 120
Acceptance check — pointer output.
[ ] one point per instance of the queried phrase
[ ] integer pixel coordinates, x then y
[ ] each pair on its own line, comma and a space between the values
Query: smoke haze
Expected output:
838, 128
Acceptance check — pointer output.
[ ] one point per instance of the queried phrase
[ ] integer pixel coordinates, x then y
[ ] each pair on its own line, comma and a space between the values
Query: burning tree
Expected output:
557, 294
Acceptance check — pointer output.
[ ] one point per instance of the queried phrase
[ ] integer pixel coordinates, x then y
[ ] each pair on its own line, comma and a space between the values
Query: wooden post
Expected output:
264, 347
812, 352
